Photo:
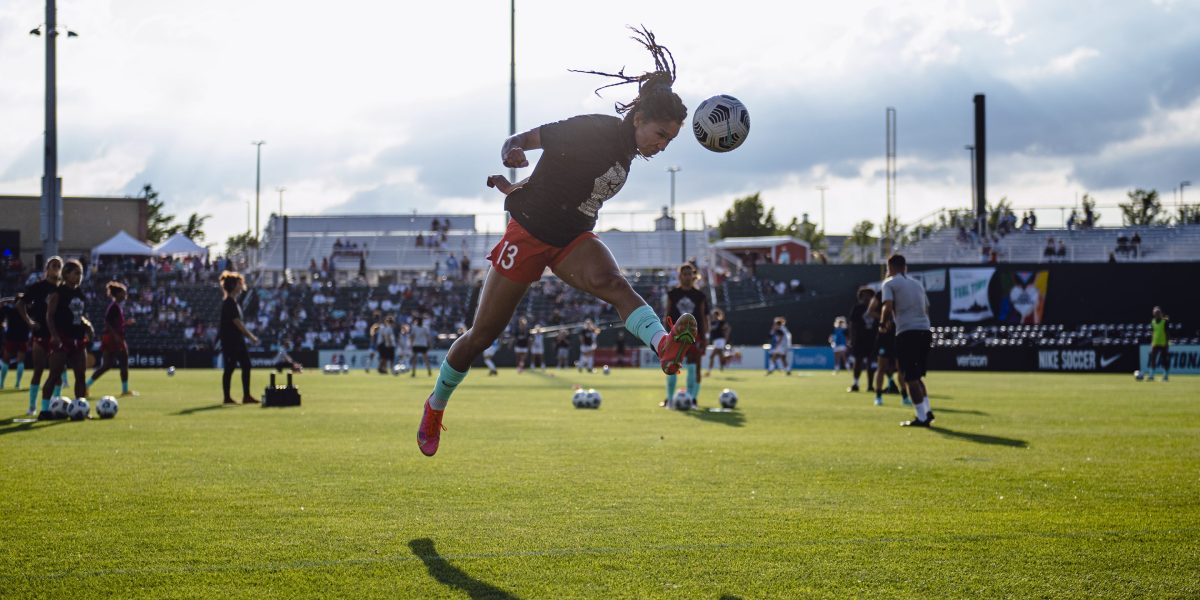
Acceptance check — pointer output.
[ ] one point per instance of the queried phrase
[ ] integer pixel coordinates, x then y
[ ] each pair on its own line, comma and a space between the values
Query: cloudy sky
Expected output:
371, 107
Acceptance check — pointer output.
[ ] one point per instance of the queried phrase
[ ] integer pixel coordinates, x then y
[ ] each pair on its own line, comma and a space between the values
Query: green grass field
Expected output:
1029, 485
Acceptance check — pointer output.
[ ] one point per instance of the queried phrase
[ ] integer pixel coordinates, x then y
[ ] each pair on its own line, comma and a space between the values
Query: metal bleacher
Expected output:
1175, 243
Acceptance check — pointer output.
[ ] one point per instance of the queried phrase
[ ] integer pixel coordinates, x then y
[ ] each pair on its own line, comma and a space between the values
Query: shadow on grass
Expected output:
190, 411
453, 577
11, 426
732, 418
980, 438
957, 411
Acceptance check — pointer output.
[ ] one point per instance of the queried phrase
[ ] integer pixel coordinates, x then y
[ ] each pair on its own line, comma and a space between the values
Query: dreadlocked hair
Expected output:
655, 100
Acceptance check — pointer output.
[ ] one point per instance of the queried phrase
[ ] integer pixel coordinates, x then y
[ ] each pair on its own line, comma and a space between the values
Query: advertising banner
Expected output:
1110, 359
1023, 297
969, 294
1182, 359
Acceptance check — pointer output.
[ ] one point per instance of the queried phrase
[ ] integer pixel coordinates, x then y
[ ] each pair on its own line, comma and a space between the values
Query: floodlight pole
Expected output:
281, 190
257, 183
51, 187
512, 79
822, 188
1182, 184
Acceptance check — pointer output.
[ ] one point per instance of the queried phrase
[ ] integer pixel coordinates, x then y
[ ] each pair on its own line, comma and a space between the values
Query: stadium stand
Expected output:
1059, 336
1176, 243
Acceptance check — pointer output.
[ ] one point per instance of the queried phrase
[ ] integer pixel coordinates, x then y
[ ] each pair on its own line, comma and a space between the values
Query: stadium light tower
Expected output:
257, 182
51, 186
822, 188
281, 189
971, 149
1182, 184
673, 169
512, 77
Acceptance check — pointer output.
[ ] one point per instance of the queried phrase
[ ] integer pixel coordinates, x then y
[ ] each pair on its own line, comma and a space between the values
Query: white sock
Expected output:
656, 338
922, 410
491, 364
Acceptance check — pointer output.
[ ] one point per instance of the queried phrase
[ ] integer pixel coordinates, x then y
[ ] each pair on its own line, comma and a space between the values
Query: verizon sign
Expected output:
971, 361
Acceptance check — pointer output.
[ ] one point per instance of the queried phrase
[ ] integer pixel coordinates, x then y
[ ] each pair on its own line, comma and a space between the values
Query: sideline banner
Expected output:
1110, 359
969, 294
1183, 359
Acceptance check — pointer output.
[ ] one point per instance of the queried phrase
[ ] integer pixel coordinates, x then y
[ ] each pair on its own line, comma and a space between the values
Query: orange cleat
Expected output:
430, 432
673, 347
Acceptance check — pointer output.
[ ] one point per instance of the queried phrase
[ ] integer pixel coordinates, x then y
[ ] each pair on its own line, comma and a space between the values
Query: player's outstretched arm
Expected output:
504, 186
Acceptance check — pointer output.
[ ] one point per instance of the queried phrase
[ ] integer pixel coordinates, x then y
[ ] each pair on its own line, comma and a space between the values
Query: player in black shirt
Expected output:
32, 308
233, 334
521, 339
585, 161
719, 334
587, 346
683, 299
69, 333
16, 341
863, 329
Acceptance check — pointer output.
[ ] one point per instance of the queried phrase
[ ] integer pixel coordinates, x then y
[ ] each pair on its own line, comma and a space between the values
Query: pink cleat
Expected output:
430, 432
674, 346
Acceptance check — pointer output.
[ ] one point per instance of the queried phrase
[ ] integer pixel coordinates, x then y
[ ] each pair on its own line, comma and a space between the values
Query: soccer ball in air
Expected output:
728, 398
721, 123
593, 398
59, 406
107, 407
78, 409
681, 400
170, 371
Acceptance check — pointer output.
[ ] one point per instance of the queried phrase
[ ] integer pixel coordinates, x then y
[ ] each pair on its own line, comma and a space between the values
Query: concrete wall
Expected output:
87, 222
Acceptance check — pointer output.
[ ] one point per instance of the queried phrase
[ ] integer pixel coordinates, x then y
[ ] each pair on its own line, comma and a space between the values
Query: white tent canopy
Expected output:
122, 244
180, 244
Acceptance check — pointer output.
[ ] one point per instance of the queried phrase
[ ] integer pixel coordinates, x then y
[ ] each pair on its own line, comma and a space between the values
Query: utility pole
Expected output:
281, 190
673, 169
257, 184
512, 78
51, 185
822, 188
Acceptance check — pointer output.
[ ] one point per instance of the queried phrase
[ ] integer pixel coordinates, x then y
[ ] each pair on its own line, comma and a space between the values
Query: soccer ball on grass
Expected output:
681, 400
78, 409
728, 398
107, 407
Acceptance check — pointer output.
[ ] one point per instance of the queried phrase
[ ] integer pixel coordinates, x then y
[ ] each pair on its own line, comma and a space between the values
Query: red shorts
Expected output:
520, 257
14, 347
110, 343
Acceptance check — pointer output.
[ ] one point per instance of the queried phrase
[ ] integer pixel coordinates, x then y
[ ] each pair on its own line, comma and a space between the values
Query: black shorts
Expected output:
420, 349
387, 353
912, 352
885, 345
863, 349
235, 355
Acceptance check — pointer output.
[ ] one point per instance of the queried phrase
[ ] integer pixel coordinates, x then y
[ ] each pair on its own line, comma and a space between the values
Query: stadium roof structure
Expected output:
368, 224
122, 244
740, 243
180, 244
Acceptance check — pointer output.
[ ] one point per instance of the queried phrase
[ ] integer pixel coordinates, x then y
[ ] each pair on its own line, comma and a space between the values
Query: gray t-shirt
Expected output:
909, 302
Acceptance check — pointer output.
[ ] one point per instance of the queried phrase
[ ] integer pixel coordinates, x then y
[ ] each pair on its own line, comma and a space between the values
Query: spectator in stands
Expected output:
436, 226
1123, 244
1049, 251
1112, 257
1135, 244
465, 265
451, 266
1072, 220
1061, 253
785, 257
420, 240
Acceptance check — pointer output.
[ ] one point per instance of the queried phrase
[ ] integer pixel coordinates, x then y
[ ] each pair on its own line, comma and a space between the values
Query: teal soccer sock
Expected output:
124, 386
57, 391
448, 379
20, 372
3, 373
693, 381
33, 394
644, 324
671, 380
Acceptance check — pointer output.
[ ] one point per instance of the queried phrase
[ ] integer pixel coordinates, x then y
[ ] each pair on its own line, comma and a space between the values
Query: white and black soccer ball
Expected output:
721, 123
605, 369
681, 400
170, 371
580, 399
59, 406
107, 407
593, 398
79, 409
728, 398
399, 369
1137, 375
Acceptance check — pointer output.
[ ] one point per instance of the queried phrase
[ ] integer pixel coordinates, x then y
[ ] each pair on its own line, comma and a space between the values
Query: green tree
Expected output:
807, 231
748, 218
997, 212
860, 234
194, 228
1189, 214
237, 244
1143, 208
159, 225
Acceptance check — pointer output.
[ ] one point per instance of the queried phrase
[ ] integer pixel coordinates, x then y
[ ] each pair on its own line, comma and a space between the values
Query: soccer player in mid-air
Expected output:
585, 161
114, 350
686, 299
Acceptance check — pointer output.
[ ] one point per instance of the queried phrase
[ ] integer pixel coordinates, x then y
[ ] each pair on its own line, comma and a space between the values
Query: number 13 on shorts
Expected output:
508, 255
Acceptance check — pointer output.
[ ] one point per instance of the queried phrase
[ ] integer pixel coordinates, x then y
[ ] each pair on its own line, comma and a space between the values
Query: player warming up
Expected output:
686, 299
585, 161
114, 350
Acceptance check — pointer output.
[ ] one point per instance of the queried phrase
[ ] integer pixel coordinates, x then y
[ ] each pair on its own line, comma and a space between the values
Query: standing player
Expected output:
837, 340
862, 338
384, 336
905, 303
781, 347
537, 349
587, 346
113, 348
683, 299
1159, 346
32, 308
488, 354
562, 349
720, 339
887, 364
233, 334
422, 338
585, 161
69, 331
521, 343
404, 345
16, 342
